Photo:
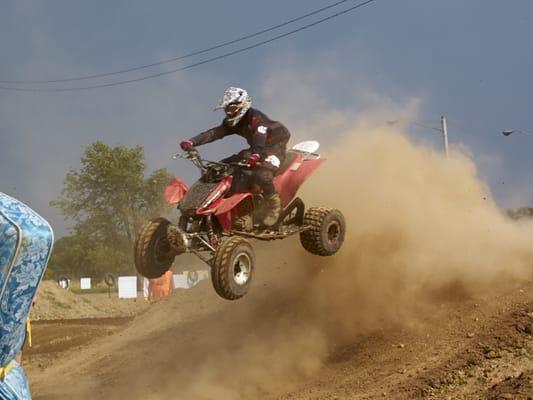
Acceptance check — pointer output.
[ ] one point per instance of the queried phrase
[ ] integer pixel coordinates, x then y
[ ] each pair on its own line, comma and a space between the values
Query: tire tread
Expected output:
219, 270
142, 247
311, 238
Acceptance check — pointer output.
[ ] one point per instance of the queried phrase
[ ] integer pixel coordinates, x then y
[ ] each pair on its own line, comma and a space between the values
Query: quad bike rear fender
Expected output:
288, 182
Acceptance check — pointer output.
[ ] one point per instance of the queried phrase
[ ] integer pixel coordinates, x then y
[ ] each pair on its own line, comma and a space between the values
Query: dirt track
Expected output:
56, 336
468, 348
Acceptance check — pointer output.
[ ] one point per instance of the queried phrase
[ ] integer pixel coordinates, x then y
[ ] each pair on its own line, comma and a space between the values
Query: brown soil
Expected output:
56, 303
430, 297
471, 347
51, 339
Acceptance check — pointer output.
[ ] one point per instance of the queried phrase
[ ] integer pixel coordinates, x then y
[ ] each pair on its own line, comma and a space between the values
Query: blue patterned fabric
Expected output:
15, 385
25, 244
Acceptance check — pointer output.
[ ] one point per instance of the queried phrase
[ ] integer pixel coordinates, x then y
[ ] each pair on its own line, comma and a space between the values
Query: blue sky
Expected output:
468, 59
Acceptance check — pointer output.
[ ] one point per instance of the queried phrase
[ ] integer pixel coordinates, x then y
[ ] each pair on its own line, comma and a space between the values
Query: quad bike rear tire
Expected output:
153, 253
326, 232
233, 267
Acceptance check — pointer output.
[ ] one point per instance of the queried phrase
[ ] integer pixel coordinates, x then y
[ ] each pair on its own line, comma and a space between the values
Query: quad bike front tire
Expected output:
325, 233
233, 267
153, 253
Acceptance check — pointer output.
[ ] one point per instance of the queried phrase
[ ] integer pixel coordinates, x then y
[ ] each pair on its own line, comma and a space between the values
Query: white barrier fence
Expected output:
127, 285
85, 283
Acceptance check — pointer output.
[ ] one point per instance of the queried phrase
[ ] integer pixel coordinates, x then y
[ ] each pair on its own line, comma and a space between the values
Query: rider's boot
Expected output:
243, 223
273, 205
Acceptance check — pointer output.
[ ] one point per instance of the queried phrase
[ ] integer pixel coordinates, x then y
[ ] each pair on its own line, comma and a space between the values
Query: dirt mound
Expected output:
493, 360
56, 303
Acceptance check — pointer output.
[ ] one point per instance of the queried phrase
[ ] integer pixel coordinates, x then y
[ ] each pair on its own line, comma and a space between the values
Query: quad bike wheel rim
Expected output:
242, 268
333, 231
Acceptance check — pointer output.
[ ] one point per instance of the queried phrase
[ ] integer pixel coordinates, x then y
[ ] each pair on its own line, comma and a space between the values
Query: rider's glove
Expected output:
186, 145
253, 159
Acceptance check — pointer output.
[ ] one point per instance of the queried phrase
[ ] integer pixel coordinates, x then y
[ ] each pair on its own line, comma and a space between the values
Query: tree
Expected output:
69, 257
108, 199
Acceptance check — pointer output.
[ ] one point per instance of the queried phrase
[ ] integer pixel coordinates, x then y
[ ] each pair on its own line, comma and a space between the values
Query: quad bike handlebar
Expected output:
203, 164
212, 171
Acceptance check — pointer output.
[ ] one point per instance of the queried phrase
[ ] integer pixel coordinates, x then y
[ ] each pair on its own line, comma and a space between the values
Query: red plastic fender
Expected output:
224, 208
225, 220
215, 198
230, 203
288, 183
175, 191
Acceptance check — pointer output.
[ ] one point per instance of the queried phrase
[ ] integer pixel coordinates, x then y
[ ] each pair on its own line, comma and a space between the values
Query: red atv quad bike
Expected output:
212, 213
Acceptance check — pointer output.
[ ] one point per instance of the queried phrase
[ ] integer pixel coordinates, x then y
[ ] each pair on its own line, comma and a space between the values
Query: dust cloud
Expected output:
416, 223
419, 224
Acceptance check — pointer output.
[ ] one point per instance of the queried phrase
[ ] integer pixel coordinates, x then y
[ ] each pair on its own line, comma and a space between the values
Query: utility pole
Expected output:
444, 130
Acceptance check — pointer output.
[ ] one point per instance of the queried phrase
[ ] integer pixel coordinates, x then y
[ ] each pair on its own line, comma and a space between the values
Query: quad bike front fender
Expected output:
230, 203
223, 212
225, 221
175, 191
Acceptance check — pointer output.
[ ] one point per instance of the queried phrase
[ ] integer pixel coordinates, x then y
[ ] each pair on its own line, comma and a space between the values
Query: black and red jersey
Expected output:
264, 136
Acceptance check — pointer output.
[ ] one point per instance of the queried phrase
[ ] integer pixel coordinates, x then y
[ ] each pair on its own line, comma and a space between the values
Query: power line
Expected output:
190, 66
419, 123
422, 125
459, 127
182, 57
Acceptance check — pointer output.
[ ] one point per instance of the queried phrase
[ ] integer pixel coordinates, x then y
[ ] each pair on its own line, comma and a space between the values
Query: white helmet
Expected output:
235, 103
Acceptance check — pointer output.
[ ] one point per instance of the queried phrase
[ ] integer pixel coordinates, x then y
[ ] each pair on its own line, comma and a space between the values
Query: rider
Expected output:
267, 140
